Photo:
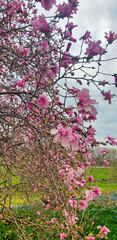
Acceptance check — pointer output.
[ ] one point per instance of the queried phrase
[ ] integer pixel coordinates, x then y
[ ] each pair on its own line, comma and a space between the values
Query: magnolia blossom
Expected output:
110, 37
96, 191
62, 236
86, 36
62, 135
65, 10
106, 163
53, 220
94, 49
108, 96
42, 101
47, 4
85, 103
103, 231
111, 140
82, 204
40, 24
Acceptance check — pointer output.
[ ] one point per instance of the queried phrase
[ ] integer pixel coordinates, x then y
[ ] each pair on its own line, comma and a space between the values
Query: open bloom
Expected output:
40, 24
111, 140
82, 204
62, 236
85, 104
108, 96
103, 231
62, 135
42, 101
110, 37
47, 4
86, 37
94, 49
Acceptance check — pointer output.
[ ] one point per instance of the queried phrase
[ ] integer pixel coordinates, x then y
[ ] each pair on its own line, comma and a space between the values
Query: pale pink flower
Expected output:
110, 37
85, 103
82, 204
40, 24
62, 135
91, 238
42, 101
72, 203
89, 195
103, 231
38, 213
62, 236
74, 141
53, 220
47, 207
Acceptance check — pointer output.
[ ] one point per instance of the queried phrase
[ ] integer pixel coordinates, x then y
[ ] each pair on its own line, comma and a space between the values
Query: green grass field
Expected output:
105, 178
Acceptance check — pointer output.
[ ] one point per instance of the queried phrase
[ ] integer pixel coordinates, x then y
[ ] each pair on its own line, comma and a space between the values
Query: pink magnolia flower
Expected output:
94, 49
65, 10
103, 231
62, 135
111, 140
72, 203
40, 24
85, 103
38, 213
96, 191
86, 36
82, 204
108, 96
47, 4
42, 101
91, 178
62, 236
91, 238
89, 195
110, 37
53, 220
106, 163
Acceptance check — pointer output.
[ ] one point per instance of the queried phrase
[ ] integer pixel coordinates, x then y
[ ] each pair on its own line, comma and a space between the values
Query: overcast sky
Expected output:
99, 16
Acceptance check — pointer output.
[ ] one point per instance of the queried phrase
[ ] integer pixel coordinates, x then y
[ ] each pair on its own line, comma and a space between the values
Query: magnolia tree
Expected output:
45, 142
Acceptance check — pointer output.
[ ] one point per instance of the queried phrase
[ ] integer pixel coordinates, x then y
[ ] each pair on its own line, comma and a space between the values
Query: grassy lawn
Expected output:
105, 178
